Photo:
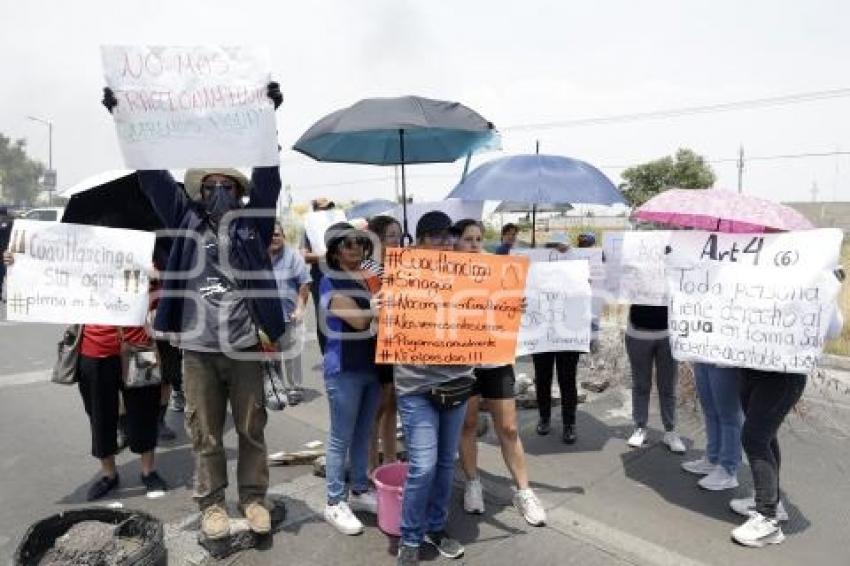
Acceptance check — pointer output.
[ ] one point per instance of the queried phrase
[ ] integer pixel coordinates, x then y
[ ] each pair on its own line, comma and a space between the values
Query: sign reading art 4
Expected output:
757, 301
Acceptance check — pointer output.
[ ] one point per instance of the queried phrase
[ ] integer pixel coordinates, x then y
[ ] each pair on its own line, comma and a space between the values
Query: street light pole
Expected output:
50, 177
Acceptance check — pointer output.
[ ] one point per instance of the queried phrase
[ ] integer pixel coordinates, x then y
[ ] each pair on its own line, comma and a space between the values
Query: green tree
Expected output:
686, 170
19, 174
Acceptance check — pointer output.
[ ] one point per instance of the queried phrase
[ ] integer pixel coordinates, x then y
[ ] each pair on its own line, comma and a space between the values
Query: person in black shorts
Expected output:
496, 385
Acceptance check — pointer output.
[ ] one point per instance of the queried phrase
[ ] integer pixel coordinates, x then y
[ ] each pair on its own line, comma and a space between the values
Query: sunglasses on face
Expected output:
355, 242
210, 186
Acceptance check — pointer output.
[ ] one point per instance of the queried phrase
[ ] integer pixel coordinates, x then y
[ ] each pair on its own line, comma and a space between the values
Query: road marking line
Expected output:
25, 378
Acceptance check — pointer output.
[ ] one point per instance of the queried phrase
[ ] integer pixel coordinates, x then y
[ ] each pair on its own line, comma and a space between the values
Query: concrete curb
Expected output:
623, 545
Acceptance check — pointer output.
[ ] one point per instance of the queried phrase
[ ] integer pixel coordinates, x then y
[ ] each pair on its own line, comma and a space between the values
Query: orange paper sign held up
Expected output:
450, 308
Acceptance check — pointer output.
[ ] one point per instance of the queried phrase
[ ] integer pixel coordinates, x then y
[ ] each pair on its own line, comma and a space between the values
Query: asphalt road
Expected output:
607, 504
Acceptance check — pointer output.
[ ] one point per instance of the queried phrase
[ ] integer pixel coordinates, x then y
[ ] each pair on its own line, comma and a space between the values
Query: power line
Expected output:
750, 158
388, 178
797, 98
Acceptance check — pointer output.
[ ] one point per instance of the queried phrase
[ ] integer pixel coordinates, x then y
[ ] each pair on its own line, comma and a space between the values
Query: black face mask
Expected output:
219, 202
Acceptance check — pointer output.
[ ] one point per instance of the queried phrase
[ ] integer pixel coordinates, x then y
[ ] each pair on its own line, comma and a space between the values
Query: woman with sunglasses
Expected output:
387, 230
495, 384
351, 380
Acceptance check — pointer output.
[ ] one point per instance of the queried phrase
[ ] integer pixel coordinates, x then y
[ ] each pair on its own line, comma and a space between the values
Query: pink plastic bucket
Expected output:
389, 480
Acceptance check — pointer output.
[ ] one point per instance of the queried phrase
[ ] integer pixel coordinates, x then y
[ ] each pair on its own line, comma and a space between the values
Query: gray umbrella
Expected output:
397, 131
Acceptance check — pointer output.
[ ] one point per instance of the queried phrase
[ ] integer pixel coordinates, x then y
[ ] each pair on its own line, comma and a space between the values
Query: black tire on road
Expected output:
40, 537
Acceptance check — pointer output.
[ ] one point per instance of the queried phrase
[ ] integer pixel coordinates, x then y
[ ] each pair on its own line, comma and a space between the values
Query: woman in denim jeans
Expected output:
431, 435
718, 391
351, 380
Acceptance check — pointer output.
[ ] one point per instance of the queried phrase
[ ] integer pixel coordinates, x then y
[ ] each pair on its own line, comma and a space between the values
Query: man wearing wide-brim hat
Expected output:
218, 297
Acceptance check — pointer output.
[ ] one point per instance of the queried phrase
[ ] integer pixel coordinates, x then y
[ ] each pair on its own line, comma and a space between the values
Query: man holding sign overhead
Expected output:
219, 296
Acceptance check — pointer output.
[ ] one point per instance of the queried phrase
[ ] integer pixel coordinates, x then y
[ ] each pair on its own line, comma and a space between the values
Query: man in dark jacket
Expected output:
219, 299
218, 293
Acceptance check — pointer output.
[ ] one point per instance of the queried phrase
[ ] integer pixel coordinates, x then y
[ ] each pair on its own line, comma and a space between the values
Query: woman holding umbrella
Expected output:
351, 380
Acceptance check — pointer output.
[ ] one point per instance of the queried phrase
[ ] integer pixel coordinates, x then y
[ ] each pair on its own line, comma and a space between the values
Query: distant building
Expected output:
825, 214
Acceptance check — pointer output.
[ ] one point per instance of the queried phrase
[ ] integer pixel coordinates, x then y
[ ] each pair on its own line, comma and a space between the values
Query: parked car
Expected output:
49, 214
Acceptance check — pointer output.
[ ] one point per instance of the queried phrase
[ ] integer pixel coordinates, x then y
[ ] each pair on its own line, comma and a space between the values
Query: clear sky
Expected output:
514, 62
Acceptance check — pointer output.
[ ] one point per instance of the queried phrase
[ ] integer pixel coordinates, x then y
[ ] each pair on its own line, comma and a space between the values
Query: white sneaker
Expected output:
366, 501
747, 505
473, 497
530, 507
638, 438
342, 519
718, 480
701, 467
674, 442
758, 531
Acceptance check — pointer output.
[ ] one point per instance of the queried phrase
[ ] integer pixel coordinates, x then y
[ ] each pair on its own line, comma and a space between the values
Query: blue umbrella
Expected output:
397, 131
538, 179
368, 209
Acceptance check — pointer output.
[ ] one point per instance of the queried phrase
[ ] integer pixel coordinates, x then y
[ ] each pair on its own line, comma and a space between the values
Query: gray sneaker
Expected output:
407, 555
177, 402
445, 545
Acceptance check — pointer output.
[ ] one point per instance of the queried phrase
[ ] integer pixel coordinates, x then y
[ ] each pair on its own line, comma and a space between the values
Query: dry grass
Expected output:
841, 345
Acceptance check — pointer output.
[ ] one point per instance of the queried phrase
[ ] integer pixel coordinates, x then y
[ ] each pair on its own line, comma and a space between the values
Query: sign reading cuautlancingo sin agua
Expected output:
75, 274
449, 308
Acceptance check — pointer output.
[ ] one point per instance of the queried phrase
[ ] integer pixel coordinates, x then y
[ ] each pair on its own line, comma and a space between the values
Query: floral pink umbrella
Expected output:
719, 210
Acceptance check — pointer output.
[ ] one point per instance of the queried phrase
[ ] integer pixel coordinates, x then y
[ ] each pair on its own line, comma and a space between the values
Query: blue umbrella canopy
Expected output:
538, 179
506, 206
368, 209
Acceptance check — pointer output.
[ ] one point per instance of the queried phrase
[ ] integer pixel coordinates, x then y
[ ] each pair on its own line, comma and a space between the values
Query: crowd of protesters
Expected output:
253, 293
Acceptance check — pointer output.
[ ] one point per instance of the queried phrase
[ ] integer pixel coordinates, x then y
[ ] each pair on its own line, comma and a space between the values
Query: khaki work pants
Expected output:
210, 380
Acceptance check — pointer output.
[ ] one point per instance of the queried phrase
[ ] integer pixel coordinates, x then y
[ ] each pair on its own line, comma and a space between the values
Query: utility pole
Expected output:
741, 169
814, 191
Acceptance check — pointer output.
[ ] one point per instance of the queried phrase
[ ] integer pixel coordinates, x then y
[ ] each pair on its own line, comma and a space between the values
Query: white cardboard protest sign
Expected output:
76, 274
192, 106
761, 301
557, 315
807, 249
316, 223
594, 258
634, 266
455, 208
592, 255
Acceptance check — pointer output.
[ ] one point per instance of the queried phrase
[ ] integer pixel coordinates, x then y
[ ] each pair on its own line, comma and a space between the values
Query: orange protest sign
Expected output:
450, 308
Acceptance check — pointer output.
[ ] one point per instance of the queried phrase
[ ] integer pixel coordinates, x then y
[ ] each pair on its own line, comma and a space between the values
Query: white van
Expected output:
49, 214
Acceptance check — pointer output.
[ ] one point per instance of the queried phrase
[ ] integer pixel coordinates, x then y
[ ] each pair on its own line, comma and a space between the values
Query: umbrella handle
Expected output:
406, 238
